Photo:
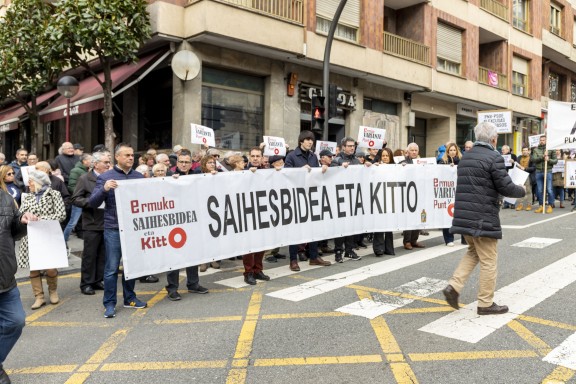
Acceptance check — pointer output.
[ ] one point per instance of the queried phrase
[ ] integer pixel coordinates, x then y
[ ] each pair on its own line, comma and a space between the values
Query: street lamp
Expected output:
68, 87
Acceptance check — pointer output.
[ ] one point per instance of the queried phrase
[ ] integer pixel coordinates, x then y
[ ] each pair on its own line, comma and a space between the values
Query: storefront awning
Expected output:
10, 117
90, 96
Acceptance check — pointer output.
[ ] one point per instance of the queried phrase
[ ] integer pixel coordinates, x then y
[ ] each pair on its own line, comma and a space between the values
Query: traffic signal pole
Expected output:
326, 67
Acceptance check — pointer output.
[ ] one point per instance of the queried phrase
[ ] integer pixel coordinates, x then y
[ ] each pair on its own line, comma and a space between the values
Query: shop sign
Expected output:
344, 99
466, 110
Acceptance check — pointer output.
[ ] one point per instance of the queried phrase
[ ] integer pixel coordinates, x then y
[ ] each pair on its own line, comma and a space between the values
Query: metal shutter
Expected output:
350, 14
449, 43
519, 65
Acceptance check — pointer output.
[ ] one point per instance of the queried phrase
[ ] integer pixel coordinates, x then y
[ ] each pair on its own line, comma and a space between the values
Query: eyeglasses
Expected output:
184, 162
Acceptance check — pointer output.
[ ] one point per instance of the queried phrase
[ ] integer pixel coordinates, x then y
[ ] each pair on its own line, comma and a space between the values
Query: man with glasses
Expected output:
92, 268
104, 192
183, 165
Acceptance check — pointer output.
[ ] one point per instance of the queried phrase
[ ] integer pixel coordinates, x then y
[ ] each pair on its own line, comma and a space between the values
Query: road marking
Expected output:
319, 360
283, 271
381, 304
471, 355
536, 223
537, 343
330, 283
162, 365
536, 242
520, 296
559, 376
564, 354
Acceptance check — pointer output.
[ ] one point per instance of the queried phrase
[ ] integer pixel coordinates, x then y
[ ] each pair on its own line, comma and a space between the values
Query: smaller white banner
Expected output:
425, 160
502, 119
24, 171
371, 137
561, 128
570, 175
202, 135
322, 145
518, 177
533, 141
507, 160
46, 246
274, 146
399, 159
558, 167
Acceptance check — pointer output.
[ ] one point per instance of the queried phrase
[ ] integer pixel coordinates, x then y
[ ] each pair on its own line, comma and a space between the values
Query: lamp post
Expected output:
68, 87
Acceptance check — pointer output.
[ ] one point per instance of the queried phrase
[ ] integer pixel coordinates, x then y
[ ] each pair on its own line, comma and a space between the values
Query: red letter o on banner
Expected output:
451, 210
172, 236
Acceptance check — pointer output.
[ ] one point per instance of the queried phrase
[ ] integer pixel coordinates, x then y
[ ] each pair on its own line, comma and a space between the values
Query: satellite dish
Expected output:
185, 65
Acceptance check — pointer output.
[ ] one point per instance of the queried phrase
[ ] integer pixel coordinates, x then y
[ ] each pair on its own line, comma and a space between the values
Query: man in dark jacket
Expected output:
12, 316
66, 160
92, 268
482, 177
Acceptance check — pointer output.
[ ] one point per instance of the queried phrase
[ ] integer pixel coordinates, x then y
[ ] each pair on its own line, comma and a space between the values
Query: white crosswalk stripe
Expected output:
564, 354
519, 296
382, 304
536, 242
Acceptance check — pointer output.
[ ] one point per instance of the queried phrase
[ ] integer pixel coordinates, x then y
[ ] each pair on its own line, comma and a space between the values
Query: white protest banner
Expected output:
399, 159
570, 174
24, 171
561, 128
371, 137
173, 223
534, 140
502, 119
46, 246
507, 160
325, 145
425, 160
274, 146
518, 177
558, 167
202, 135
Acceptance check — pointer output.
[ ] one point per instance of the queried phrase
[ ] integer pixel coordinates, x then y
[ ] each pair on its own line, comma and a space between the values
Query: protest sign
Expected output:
202, 135
570, 174
425, 160
518, 177
507, 160
371, 137
274, 146
325, 145
173, 223
46, 246
558, 167
534, 140
502, 119
561, 128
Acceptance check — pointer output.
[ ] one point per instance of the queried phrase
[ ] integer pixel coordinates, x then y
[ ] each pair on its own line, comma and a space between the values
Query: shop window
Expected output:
233, 105
520, 12
555, 19
448, 49
554, 86
520, 72
349, 21
380, 106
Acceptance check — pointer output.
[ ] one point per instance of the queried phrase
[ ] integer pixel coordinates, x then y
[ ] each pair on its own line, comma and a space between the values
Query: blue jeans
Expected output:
75, 215
448, 237
111, 264
12, 320
540, 187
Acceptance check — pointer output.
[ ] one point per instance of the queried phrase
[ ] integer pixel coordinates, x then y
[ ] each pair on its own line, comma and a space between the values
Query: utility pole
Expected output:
326, 67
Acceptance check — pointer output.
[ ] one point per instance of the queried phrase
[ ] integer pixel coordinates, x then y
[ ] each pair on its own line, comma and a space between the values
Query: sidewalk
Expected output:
74, 261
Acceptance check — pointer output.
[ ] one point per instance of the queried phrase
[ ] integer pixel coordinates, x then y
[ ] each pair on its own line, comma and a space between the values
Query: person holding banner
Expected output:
482, 178
540, 157
383, 242
411, 236
525, 164
12, 315
558, 177
46, 204
451, 157
104, 192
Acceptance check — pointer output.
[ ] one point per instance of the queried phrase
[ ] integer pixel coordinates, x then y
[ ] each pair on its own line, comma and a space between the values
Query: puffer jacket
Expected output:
10, 230
482, 177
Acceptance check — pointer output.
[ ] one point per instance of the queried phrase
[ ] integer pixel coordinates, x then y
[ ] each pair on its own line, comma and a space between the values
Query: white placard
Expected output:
202, 135
24, 171
371, 137
274, 146
561, 128
46, 246
399, 159
518, 177
322, 145
533, 141
425, 160
570, 174
558, 167
507, 160
175, 223
502, 119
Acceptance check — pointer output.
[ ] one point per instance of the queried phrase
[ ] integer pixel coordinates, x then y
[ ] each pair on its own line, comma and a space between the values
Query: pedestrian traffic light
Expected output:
318, 114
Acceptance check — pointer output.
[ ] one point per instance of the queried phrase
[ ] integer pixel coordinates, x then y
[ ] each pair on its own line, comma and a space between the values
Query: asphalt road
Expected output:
314, 326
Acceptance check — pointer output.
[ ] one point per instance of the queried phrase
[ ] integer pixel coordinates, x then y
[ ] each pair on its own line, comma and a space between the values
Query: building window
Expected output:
449, 49
233, 105
554, 86
520, 9
520, 76
349, 21
555, 19
380, 106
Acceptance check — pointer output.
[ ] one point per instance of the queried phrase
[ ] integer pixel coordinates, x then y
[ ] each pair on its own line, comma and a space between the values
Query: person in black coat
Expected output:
482, 178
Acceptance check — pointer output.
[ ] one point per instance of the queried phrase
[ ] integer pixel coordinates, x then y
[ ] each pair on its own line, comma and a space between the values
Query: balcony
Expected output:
492, 78
289, 10
496, 8
407, 49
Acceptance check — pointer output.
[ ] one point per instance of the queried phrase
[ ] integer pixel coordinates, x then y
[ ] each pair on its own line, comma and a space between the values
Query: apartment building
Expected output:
419, 68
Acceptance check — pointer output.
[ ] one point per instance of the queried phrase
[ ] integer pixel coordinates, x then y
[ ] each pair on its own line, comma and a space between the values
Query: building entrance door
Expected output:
417, 134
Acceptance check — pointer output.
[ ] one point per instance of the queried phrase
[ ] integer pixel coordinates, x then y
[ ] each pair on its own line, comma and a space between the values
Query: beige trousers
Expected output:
481, 250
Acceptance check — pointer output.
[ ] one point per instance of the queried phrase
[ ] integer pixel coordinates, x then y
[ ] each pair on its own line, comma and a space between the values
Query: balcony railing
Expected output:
406, 48
496, 8
492, 78
291, 10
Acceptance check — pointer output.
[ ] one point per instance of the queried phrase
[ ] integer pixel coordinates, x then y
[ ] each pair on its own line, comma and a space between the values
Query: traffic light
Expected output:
318, 114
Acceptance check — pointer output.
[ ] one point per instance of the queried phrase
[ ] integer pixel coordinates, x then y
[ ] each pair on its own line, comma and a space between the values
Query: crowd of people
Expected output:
76, 188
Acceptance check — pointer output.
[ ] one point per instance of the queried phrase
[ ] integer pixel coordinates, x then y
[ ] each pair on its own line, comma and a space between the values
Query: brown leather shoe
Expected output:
294, 266
494, 309
451, 296
418, 245
319, 261
408, 246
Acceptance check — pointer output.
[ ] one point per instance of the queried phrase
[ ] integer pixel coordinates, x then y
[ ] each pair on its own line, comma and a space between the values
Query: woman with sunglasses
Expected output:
7, 183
